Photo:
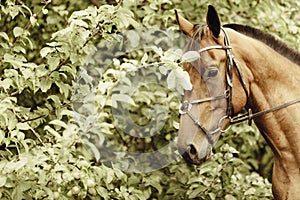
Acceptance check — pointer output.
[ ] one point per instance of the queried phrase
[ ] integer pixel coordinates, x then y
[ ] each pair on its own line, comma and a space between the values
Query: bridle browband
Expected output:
231, 63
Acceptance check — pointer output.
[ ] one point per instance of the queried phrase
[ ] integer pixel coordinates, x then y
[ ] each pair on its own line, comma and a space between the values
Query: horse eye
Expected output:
212, 73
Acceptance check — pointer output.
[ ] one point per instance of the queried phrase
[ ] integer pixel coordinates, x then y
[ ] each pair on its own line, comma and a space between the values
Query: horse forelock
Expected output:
199, 30
194, 45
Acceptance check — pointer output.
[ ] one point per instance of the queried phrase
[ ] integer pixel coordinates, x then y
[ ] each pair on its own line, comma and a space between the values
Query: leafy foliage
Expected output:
61, 117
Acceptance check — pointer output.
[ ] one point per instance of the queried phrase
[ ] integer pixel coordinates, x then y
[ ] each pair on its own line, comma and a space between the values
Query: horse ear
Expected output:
184, 25
213, 21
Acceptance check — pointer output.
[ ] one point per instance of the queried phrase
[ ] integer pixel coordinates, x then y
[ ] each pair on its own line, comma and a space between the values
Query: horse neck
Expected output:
273, 80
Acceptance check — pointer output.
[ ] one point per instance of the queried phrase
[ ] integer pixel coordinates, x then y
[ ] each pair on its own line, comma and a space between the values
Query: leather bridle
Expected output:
231, 64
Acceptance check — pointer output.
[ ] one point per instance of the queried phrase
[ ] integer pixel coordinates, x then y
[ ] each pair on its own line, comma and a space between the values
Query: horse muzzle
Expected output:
194, 155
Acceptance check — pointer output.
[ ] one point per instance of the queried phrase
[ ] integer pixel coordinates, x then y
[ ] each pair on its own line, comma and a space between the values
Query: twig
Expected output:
99, 27
29, 120
26, 27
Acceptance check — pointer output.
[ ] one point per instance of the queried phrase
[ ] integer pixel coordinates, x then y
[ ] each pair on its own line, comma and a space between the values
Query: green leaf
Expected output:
250, 191
19, 49
175, 124
79, 22
55, 99
45, 51
20, 136
63, 88
17, 193
23, 126
41, 70
27, 73
102, 191
18, 31
171, 80
184, 79
25, 146
14, 10
71, 70
2, 181
196, 192
33, 20
109, 176
6, 83
229, 169
121, 98
92, 147
144, 58
15, 60
4, 35
163, 69
21, 163
2, 137
180, 78
59, 123
67, 113
53, 62
155, 183
12, 121
45, 84
52, 131
79, 13
230, 197
190, 56
212, 195
133, 37
27, 39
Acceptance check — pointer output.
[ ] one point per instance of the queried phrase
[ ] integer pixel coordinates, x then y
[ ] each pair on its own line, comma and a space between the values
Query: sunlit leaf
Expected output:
6, 83
79, 23
122, 98
59, 123
18, 31
45, 51
53, 62
23, 126
144, 58
190, 56
2, 181
52, 131
4, 35
230, 197
164, 70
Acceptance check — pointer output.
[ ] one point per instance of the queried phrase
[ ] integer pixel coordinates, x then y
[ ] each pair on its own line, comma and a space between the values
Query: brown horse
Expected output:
242, 67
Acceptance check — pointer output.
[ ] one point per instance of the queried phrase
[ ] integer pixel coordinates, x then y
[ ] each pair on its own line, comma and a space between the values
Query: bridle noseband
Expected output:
231, 63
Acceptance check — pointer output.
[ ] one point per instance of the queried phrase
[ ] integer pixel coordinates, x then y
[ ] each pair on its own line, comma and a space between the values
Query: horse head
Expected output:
206, 109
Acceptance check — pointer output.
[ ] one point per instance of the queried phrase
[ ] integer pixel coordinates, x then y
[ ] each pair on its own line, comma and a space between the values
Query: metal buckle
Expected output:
226, 94
221, 122
185, 107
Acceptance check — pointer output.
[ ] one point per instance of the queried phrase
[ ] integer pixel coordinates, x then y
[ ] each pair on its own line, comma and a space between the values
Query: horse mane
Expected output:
268, 39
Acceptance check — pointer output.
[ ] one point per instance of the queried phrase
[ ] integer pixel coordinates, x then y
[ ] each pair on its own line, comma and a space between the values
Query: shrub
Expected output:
89, 95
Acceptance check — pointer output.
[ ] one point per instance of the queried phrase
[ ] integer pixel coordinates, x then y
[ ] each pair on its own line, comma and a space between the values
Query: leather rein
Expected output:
231, 63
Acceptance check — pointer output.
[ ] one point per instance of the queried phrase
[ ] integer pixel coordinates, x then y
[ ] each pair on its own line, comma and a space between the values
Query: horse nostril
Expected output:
192, 150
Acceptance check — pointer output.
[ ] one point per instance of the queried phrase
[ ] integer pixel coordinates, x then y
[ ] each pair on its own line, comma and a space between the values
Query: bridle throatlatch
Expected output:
231, 63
